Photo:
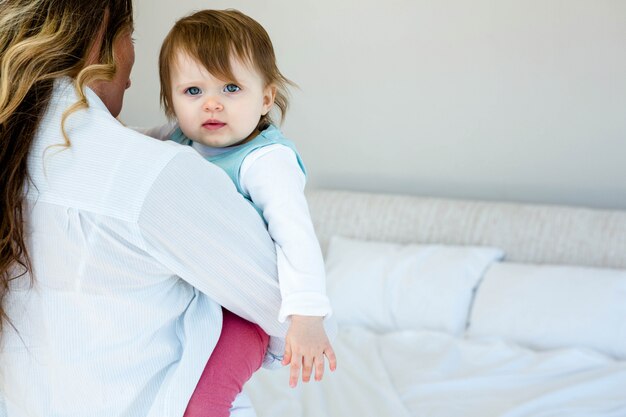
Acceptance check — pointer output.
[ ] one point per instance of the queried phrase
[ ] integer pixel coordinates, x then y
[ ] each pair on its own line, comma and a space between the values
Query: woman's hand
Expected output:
306, 345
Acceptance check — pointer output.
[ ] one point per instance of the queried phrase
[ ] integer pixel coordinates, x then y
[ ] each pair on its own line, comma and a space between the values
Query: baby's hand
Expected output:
305, 346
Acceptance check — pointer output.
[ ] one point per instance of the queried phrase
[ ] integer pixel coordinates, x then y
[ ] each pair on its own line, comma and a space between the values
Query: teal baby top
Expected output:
232, 158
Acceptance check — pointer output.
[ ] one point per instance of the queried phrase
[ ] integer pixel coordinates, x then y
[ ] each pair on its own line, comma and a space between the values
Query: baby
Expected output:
219, 82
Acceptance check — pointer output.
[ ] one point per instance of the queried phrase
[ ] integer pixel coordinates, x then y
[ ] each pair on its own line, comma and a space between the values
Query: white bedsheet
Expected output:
433, 374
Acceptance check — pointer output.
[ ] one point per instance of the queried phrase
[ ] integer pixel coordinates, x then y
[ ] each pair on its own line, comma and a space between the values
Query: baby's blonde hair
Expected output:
211, 37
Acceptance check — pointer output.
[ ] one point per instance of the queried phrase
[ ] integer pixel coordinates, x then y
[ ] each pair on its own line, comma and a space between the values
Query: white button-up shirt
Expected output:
134, 242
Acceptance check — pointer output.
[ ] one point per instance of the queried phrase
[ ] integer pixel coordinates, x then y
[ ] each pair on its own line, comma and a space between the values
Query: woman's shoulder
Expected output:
107, 167
132, 147
147, 157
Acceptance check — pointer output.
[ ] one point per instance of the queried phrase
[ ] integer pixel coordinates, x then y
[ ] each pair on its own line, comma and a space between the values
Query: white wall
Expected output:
520, 100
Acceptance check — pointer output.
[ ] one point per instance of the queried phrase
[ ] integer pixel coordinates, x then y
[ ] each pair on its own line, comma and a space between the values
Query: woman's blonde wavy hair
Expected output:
41, 41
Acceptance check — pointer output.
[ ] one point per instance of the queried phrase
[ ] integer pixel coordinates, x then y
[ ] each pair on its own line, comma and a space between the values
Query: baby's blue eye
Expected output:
193, 91
231, 88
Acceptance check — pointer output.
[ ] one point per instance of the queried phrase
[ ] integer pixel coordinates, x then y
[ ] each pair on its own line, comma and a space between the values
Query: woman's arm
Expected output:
195, 223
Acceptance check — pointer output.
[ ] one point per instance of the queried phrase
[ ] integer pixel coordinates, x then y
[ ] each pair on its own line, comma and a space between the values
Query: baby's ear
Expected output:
269, 94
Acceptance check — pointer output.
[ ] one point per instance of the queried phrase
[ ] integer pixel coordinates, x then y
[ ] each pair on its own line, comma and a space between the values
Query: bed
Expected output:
465, 308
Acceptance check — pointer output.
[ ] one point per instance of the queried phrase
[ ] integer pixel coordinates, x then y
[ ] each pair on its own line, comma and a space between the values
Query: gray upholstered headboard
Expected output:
527, 233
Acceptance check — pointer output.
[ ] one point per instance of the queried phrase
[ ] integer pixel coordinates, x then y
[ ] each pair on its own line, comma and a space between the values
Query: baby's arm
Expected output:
274, 181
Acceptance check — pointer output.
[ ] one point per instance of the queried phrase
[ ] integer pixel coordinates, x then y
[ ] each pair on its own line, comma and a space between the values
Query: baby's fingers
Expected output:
319, 367
287, 355
332, 360
294, 373
307, 369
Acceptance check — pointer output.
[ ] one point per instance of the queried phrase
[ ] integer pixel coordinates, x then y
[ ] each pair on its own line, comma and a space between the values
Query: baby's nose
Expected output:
211, 104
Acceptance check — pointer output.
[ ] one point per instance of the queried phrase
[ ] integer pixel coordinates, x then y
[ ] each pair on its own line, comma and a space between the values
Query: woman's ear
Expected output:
269, 94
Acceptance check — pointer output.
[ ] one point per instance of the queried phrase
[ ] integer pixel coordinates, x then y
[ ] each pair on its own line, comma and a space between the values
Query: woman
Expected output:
116, 250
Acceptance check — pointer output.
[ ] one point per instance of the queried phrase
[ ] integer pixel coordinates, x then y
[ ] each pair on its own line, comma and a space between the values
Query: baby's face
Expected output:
216, 112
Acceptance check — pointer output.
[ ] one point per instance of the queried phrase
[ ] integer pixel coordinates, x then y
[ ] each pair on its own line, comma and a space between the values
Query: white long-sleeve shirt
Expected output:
134, 244
273, 179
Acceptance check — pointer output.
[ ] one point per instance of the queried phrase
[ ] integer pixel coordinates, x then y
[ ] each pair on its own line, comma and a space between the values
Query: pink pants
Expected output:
238, 353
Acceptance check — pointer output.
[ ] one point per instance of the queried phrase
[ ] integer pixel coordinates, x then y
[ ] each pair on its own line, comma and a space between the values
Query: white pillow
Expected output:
548, 306
388, 286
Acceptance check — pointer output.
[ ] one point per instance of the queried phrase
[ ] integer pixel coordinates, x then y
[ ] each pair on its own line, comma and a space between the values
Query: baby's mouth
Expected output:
213, 124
